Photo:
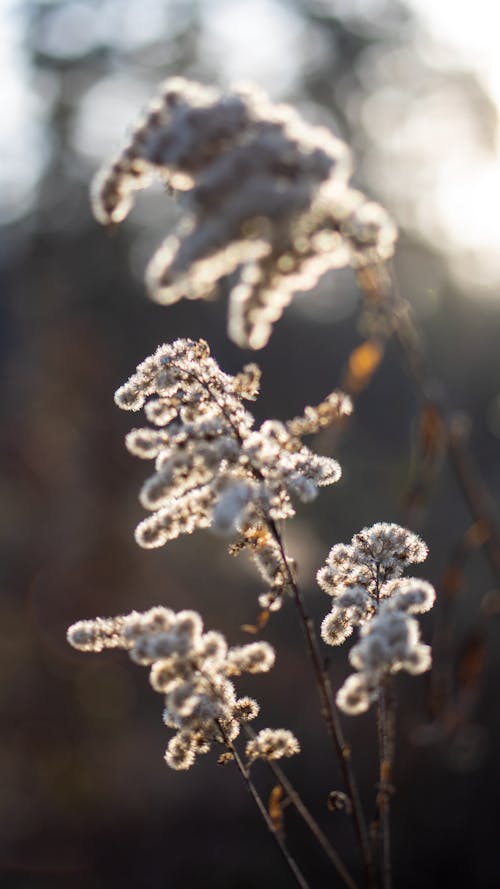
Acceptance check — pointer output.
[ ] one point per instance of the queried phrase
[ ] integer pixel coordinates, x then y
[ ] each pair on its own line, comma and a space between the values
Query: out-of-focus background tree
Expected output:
85, 798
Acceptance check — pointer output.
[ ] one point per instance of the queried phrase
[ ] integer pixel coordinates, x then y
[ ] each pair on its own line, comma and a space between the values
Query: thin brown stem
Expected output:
329, 711
463, 463
290, 861
385, 740
476, 495
449, 433
308, 818
328, 708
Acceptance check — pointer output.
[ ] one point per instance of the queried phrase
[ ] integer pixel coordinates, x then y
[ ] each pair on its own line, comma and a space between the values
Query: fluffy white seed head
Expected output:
230, 507
336, 627
272, 744
246, 709
355, 696
256, 657
192, 669
180, 754
212, 648
389, 546
98, 634
418, 660
364, 580
212, 467
266, 200
410, 594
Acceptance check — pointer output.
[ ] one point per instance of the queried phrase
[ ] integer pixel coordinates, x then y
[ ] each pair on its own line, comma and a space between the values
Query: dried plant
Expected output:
212, 467
191, 669
364, 580
266, 196
269, 208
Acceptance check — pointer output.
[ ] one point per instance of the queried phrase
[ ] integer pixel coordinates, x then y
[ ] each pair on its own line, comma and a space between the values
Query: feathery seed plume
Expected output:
266, 196
272, 744
190, 668
212, 467
364, 580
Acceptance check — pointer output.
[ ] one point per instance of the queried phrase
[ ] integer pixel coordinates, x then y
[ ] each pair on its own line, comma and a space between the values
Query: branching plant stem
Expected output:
290, 861
328, 708
329, 712
308, 818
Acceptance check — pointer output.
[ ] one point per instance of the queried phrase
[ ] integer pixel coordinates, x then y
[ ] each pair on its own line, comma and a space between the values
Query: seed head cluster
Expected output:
192, 669
212, 468
365, 581
272, 744
266, 553
267, 200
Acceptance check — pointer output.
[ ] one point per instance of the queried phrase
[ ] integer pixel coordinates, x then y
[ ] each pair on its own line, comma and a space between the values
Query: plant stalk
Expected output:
308, 818
329, 713
385, 740
328, 708
286, 855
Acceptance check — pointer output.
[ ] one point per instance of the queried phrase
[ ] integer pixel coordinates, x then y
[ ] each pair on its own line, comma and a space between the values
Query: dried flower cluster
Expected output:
364, 579
272, 744
191, 668
212, 467
266, 553
268, 209
266, 195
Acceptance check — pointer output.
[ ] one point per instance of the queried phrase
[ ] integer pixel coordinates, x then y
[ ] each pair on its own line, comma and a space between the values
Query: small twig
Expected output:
451, 583
290, 861
463, 463
475, 493
308, 818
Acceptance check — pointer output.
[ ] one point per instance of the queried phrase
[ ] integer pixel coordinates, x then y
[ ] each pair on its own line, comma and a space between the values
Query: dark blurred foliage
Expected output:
85, 798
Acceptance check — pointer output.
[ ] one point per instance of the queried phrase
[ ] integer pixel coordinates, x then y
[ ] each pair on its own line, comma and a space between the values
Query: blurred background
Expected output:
85, 798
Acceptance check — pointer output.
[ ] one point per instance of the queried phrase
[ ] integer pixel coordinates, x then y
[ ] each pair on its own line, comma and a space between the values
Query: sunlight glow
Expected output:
23, 143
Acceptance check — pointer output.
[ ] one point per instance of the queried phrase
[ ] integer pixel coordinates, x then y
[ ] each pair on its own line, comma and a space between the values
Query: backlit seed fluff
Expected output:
336, 628
246, 709
364, 580
213, 647
230, 507
375, 555
179, 755
191, 668
212, 468
411, 594
98, 634
256, 657
272, 744
388, 544
355, 696
266, 199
